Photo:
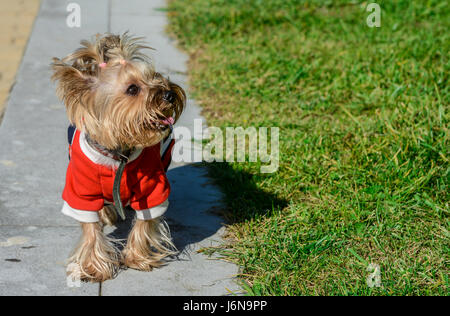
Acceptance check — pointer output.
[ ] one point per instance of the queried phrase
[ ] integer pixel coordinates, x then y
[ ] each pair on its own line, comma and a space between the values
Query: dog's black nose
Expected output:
169, 96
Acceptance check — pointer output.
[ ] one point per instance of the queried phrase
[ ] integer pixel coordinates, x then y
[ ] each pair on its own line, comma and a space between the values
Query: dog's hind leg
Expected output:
148, 243
95, 259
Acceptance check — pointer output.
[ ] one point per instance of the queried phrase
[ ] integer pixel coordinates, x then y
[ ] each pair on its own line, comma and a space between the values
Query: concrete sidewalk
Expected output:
35, 238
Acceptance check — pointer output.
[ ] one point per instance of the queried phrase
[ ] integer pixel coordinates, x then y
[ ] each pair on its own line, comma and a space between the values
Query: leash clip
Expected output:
123, 158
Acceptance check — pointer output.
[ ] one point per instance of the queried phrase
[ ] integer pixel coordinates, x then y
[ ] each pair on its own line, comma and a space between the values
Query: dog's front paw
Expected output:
95, 259
76, 272
148, 244
91, 271
140, 260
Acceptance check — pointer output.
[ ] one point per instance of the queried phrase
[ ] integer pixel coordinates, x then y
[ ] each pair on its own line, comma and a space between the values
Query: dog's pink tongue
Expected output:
168, 121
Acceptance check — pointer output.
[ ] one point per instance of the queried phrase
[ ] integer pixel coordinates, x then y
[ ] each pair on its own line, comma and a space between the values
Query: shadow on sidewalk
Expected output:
198, 209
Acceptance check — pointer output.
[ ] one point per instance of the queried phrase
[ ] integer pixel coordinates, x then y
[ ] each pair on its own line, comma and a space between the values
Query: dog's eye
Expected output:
133, 90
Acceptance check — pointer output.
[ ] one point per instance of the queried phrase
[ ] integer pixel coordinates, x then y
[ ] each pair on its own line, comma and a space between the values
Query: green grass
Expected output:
364, 139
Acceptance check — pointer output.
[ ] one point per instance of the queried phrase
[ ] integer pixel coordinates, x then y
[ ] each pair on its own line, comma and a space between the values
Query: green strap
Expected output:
116, 189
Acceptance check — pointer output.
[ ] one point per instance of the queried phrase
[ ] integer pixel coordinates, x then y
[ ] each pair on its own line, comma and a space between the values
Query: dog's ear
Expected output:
180, 99
75, 89
87, 58
72, 81
77, 73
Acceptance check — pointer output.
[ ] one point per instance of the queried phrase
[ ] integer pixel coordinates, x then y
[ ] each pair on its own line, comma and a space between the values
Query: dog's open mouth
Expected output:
168, 121
165, 123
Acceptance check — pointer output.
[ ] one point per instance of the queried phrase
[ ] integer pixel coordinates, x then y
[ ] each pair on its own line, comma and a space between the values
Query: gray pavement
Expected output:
35, 238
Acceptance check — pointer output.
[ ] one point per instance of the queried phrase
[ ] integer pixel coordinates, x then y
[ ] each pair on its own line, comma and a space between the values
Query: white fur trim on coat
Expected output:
153, 212
79, 215
99, 158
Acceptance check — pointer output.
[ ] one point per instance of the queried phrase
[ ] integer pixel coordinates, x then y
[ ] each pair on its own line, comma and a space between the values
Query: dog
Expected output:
121, 113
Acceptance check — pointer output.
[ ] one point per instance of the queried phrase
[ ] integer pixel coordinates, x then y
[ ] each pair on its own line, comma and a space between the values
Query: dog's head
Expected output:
113, 94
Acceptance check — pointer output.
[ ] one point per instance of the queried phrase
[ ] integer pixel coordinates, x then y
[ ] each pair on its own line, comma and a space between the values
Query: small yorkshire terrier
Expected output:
121, 113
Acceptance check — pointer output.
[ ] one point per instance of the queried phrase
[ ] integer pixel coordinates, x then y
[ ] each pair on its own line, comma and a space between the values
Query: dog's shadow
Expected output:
196, 203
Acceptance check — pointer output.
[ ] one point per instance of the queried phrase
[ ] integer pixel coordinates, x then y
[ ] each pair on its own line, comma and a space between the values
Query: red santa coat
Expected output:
90, 178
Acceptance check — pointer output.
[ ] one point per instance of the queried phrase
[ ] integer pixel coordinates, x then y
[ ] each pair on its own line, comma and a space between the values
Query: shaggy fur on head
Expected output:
113, 94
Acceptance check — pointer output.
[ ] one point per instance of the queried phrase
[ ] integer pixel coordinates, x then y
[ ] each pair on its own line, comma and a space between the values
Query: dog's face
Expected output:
113, 94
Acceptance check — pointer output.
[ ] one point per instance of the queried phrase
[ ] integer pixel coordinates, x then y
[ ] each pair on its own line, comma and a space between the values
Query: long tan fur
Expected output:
148, 244
95, 258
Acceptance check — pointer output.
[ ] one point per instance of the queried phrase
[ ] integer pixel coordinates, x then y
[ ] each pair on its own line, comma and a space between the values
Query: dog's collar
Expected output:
116, 154
100, 155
